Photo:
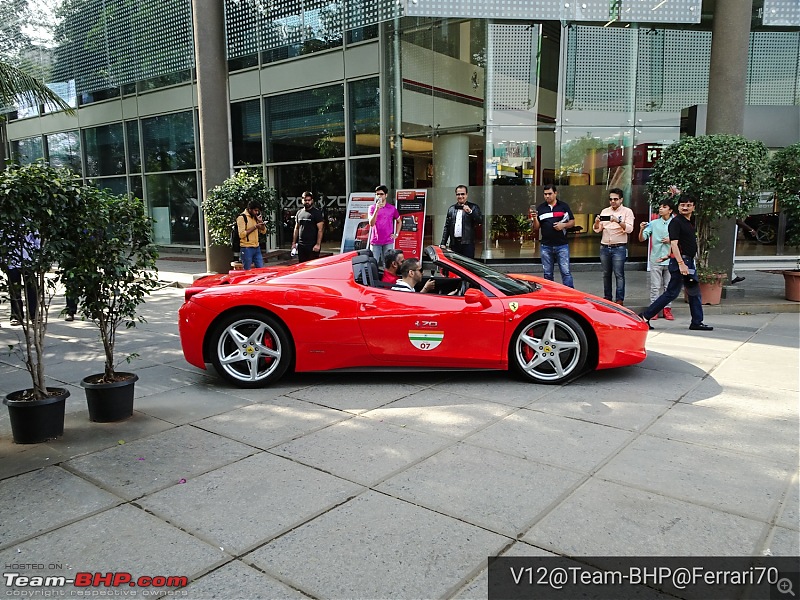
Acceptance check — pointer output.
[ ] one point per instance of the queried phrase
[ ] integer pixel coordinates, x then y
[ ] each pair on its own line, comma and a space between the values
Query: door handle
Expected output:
367, 306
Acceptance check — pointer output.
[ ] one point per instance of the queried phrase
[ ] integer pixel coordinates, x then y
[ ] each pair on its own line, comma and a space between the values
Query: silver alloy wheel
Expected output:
249, 350
551, 349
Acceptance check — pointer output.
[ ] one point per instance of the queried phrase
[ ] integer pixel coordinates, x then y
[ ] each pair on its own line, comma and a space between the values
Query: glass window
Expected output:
365, 174
246, 132
28, 150
168, 142
116, 185
306, 125
164, 80
64, 150
134, 150
361, 34
105, 150
365, 115
326, 180
98, 96
172, 201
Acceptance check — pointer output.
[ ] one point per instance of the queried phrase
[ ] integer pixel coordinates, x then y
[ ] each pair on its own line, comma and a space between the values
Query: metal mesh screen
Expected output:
781, 13
107, 43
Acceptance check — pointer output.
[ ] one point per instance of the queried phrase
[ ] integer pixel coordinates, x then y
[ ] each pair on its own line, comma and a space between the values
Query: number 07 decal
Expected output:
425, 340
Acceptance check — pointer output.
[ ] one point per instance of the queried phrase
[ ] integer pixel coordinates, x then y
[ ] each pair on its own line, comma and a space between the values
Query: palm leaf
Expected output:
16, 85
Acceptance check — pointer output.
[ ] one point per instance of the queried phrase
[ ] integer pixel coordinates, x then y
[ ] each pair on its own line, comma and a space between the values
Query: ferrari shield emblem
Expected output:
513, 306
425, 340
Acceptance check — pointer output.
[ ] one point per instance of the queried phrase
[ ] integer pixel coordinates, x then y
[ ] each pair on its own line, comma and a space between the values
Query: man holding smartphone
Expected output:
553, 218
384, 224
459, 226
251, 224
615, 222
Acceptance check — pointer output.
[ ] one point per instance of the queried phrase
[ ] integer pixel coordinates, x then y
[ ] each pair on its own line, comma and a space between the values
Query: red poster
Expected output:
411, 206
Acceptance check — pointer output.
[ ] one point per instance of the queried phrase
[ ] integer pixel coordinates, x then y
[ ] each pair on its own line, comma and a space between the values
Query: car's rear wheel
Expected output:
550, 348
250, 350
766, 234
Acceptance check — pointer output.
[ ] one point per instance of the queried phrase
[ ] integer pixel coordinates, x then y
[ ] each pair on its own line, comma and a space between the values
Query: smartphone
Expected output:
605, 217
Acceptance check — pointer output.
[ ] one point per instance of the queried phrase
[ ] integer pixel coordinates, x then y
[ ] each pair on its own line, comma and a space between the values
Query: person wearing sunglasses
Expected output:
409, 275
459, 226
615, 222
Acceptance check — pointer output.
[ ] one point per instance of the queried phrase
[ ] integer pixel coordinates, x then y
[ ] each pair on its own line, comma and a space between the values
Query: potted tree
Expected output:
725, 173
37, 203
111, 271
785, 168
223, 203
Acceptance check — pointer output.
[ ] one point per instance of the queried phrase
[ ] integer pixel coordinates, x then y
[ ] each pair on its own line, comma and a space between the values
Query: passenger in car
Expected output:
410, 274
393, 259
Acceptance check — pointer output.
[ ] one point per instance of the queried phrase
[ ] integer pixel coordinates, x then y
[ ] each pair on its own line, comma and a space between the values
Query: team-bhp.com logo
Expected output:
94, 580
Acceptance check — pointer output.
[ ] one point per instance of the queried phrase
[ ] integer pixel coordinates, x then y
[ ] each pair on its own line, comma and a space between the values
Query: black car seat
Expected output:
365, 270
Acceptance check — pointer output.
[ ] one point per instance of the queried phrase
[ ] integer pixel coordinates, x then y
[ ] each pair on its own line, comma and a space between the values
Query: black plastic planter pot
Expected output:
109, 402
35, 421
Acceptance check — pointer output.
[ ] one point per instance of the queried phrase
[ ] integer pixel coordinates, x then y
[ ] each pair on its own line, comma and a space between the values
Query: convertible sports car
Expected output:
334, 313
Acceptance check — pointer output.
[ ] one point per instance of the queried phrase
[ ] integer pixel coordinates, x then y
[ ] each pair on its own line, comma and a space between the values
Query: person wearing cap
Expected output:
251, 224
615, 222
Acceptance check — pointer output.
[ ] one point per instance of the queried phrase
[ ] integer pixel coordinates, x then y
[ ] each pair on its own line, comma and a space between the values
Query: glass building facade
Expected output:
338, 96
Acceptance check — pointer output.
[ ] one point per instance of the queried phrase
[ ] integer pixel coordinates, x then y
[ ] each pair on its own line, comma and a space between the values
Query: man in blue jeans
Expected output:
251, 224
553, 218
615, 223
682, 271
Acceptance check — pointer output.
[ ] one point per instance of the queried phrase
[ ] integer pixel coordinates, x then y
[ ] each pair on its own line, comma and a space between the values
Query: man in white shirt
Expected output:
410, 274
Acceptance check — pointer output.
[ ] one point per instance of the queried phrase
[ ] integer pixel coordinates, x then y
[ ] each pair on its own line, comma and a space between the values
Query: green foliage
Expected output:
37, 202
725, 173
112, 265
785, 167
226, 201
16, 83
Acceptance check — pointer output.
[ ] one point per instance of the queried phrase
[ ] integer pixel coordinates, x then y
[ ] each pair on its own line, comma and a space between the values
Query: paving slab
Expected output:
498, 492
146, 465
552, 439
442, 412
274, 422
486, 384
362, 450
751, 486
384, 548
121, 539
289, 383
164, 378
60, 498
774, 439
358, 394
745, 398
607, 519
237, 580
785, 542
747, 371
187, 404
245, 504
790, 511
610, 398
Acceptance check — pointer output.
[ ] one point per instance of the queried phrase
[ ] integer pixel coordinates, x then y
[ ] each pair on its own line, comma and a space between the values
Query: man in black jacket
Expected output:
459, 227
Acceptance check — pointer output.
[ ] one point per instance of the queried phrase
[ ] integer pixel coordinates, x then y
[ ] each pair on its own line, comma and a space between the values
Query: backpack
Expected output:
236, 243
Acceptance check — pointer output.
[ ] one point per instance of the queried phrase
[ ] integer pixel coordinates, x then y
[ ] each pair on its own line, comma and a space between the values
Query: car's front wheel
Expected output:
250, 350
550, 348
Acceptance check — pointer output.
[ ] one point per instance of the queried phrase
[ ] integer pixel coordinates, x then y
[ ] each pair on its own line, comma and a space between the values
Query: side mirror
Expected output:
473, 296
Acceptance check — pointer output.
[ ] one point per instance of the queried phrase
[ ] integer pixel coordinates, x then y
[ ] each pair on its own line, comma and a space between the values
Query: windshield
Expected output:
504, 283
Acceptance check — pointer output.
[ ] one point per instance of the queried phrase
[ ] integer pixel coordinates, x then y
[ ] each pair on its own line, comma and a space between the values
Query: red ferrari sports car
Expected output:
334, 313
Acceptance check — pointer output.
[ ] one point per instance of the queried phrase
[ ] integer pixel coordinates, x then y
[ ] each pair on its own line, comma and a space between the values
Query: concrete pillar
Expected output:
450, 168
727, 88
208, 20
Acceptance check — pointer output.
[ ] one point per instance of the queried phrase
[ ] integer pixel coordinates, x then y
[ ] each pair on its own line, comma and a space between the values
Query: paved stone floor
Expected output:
400, 486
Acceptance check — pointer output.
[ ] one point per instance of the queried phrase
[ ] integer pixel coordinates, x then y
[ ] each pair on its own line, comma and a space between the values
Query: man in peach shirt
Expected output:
615, 222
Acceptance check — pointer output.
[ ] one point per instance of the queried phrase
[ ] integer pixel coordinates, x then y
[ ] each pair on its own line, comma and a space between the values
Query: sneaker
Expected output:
654, 317
15, 323
736, 280
668, 314
69, 318
700, 327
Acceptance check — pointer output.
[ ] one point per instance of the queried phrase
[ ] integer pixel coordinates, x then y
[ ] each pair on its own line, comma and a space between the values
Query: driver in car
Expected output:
409, 275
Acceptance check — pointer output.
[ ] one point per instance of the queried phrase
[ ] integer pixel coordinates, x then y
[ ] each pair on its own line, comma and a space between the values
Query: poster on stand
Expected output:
355, 234
411, 206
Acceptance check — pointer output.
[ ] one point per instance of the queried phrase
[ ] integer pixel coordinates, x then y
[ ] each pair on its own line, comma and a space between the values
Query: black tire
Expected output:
250, 350
766, 234
549, 348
